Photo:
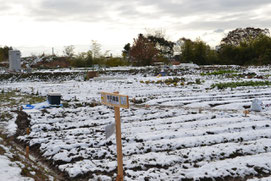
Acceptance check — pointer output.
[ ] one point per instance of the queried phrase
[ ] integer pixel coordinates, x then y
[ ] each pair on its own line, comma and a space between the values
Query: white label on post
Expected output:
117, 100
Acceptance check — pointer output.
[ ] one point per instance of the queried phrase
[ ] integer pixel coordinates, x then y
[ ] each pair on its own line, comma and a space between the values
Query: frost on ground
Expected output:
170, 132
10, 169
166, 143
13, 164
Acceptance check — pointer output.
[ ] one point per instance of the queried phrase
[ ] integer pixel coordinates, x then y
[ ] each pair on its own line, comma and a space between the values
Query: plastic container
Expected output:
54, 98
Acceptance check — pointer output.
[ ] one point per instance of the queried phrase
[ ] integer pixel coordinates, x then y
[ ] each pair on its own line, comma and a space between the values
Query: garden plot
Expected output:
188, 131
14, 165
157, 143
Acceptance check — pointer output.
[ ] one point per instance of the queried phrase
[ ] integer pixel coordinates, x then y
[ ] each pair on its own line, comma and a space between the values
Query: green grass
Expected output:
170, 81
16, 98
239, 84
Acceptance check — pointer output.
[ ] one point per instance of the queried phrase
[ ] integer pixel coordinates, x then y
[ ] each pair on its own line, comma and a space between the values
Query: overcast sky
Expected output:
35, 26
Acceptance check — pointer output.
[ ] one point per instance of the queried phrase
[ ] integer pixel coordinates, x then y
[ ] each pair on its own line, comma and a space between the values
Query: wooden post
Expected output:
27, 147
118, 141
119, 145
117, 101
246, 112
27, 152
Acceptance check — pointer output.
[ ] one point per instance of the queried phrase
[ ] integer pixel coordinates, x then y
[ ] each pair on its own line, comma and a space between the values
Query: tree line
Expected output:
247, 46
94, 56
4, 53
242, 46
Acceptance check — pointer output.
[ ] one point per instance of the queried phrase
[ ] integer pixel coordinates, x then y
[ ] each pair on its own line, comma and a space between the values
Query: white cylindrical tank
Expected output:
14, 57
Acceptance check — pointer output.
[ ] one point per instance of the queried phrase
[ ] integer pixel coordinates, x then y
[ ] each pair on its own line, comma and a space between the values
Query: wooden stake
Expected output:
246, 112
119, 145
27, 147
27, 152
147, 106
27, 131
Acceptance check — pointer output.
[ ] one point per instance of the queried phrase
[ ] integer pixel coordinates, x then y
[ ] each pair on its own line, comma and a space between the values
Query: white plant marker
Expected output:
109, 130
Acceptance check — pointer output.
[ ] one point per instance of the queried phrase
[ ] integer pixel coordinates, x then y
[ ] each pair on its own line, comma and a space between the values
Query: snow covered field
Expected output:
171, 132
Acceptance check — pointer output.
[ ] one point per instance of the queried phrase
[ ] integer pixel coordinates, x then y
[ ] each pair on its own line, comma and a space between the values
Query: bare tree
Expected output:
69, 51
159, 33
96, 49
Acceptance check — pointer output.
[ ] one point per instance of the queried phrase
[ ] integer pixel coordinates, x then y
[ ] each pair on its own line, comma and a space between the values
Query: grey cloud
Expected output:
230, 13
5, 6
128, 10
86, 10
102, 8
51, 10
219, 31
71, 7
238, 23
187, 7
222, 14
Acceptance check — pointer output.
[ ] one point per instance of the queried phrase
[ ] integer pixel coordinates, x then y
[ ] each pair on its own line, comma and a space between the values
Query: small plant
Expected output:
168, 81
198, 81
190, 83
174, 81
159, 82
5, 116
86, 78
